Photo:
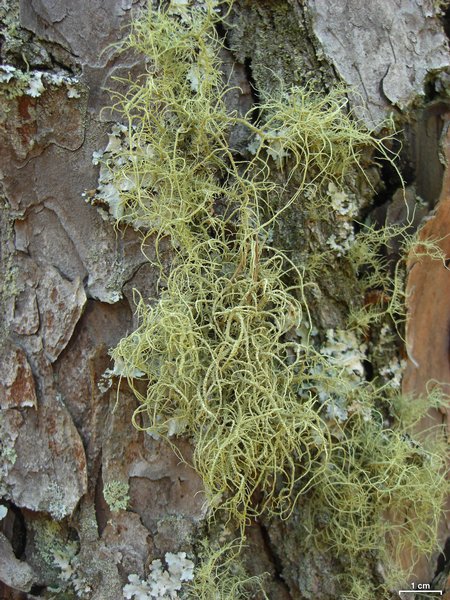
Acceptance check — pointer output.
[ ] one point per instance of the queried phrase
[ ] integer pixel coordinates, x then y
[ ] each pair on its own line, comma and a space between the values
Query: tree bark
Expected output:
89, 499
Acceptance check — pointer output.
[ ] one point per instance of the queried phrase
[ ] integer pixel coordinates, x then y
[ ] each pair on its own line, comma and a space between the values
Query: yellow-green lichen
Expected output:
116, 495
221, 576
226, 354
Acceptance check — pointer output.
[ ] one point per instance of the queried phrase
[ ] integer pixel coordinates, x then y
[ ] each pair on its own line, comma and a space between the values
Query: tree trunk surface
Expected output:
86, 498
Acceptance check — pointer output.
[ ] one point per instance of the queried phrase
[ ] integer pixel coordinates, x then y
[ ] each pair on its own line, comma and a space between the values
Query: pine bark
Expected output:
68, 274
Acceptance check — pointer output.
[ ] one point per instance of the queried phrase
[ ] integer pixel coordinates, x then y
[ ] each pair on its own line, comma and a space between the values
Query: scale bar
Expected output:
420, 592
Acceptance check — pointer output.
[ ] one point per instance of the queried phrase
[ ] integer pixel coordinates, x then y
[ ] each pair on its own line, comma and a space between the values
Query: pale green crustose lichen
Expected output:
116, 495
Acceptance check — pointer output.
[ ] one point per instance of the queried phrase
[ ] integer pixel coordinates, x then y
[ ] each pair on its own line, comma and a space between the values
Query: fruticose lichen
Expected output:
280, 420
221, 576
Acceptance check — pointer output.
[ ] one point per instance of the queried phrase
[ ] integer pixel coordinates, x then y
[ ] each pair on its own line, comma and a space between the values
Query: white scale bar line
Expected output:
420, 592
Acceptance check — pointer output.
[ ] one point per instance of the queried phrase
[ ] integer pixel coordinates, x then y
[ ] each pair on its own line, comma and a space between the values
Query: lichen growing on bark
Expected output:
116, 495
275, 39
226, 354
